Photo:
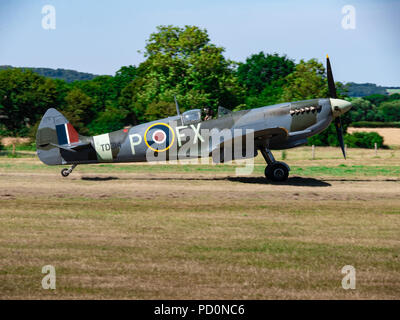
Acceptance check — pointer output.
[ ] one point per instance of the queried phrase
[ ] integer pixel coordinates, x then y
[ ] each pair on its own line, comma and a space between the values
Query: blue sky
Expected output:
100, 36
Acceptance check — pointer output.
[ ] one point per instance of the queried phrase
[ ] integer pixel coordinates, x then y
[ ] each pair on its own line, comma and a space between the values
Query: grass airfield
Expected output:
134, 231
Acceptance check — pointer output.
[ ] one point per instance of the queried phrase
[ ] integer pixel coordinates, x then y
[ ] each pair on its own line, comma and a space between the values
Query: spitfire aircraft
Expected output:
274, 127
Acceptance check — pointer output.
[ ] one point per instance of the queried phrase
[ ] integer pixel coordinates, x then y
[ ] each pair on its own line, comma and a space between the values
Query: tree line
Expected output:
179, 62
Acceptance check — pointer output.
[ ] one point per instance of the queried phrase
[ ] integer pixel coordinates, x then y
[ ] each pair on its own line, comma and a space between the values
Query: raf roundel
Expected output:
159, 137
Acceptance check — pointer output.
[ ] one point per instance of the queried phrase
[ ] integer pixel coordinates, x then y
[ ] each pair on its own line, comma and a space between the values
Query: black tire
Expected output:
267, 172
277, 171
64, 172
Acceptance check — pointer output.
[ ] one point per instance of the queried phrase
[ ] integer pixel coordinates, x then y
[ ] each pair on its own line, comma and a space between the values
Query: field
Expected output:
391, 136
199, 231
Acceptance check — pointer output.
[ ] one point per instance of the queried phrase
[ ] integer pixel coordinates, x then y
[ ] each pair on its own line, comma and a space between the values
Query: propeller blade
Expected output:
331, 82
332, 94
338, 126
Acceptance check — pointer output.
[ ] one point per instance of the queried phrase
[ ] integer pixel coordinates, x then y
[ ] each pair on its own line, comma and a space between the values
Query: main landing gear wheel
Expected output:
277, 171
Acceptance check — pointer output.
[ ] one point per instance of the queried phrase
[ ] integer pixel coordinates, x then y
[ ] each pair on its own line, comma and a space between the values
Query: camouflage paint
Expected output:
279, 126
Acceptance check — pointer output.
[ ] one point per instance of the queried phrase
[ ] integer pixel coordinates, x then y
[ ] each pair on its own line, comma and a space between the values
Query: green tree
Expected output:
376, 99
102, 90
24, 97
362, 110
111, 119
78, 109
308, 81
271, 94
124, 76
105, 93
159, 110
182, 62
390, 110
261, 70
395, 96
363, 140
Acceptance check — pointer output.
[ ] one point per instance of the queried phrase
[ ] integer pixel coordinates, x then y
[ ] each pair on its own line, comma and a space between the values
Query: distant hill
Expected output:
63, 74
366, 89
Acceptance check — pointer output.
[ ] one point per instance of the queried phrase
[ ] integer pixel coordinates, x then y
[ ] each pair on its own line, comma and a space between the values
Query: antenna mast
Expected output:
177, 106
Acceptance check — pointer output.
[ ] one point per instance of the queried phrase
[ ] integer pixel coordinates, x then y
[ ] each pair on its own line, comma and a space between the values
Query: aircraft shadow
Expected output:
155, 178
292, 181
99, 178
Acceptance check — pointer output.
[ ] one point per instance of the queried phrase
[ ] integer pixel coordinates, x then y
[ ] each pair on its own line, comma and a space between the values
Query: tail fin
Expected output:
55, 133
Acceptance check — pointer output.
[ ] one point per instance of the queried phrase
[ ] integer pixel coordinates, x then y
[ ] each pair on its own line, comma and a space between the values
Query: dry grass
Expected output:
8, 141
115, 233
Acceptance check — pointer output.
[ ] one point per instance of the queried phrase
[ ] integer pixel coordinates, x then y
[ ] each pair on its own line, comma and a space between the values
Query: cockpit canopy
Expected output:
191, 116
222, 112
194, 115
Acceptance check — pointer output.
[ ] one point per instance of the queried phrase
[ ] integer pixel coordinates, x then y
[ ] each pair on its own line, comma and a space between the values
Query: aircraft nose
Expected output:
339, 106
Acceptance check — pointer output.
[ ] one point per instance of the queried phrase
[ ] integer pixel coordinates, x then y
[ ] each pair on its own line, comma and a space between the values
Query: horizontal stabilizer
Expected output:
72, 147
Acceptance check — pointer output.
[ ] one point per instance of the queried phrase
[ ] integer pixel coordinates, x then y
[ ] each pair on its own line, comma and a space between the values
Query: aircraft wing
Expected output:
277, 133
261, 135
299, 133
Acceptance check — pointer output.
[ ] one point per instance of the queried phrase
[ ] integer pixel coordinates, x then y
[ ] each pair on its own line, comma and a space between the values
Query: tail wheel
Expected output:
278, 171
65, 172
